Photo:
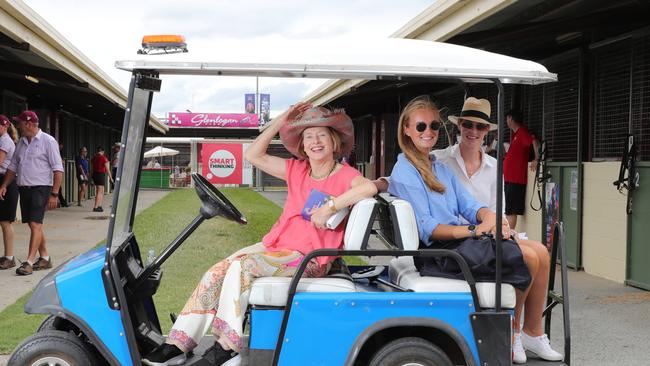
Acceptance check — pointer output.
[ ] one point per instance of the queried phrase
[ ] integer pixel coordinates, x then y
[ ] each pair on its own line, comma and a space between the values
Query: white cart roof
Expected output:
370, 59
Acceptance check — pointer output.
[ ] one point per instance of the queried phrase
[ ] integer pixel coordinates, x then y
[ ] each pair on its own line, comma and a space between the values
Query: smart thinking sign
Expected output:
223, 163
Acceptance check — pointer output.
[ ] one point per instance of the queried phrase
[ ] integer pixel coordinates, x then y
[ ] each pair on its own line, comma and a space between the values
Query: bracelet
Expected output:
331, 205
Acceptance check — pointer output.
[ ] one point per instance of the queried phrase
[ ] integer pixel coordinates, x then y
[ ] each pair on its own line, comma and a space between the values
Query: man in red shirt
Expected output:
100, 168
515, 174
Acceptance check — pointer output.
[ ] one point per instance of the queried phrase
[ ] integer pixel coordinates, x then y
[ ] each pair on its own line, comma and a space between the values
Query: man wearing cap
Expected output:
38, 170
515, 174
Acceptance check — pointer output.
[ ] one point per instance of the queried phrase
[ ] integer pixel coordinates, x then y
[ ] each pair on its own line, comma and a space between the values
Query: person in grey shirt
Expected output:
38, 170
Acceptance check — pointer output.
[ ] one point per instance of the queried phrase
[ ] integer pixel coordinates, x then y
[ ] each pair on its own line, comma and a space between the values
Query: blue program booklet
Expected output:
315, 200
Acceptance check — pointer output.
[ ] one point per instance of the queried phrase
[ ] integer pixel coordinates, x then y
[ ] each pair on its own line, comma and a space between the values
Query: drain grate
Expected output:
96, 218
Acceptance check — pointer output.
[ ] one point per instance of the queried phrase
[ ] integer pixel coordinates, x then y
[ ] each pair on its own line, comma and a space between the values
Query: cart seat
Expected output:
402, 272
273, 291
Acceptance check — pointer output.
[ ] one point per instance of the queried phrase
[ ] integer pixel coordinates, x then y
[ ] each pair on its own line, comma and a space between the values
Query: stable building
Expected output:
75, 100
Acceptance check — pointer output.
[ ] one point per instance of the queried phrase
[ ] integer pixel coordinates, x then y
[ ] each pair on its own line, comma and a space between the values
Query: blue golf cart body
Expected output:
101, 302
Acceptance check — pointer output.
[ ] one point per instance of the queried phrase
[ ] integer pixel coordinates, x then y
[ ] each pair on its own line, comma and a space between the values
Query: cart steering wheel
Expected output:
214, 202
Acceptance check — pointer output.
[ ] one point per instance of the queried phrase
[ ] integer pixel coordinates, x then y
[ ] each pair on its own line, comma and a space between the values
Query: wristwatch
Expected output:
54, 194
472, 231
331, 205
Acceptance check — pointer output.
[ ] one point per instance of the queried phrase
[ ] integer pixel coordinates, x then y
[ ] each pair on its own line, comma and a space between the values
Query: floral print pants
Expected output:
221, 297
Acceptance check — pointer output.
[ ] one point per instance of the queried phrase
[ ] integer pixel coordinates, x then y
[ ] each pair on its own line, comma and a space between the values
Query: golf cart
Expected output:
364, 315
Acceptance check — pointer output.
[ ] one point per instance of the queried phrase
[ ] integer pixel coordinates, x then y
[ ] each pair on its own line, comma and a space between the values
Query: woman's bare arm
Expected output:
360, 188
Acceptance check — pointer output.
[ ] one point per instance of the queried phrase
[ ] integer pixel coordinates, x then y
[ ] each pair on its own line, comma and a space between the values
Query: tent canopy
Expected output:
160, 151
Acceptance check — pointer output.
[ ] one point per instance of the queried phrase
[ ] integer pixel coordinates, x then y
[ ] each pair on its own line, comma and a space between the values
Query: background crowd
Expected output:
31, 173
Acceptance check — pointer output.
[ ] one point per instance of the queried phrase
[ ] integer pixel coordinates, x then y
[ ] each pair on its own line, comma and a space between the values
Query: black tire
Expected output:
410, 351
47, 324
52, 347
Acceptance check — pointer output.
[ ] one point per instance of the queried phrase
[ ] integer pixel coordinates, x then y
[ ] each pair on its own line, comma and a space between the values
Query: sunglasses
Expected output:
479, 126
421, 126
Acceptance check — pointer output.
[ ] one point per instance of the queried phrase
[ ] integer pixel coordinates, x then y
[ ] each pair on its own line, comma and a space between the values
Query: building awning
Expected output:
29, 46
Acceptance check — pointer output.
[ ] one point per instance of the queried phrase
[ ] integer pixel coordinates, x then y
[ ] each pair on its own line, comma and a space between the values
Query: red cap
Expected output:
4, 121
27, 116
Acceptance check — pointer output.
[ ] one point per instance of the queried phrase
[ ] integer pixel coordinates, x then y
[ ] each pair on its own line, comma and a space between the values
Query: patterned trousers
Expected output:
221, 297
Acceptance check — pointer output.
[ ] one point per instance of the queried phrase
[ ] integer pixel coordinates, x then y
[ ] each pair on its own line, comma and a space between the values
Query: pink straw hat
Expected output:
291, 133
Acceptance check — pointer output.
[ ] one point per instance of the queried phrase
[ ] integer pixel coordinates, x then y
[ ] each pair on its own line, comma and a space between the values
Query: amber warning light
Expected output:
162, 44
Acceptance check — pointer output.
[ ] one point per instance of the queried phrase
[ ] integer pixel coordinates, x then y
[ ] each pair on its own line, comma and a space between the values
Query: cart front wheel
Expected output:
48, 324
52, 348
410, 351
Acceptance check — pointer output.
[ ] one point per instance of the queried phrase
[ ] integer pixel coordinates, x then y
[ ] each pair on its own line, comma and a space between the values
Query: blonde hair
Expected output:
336, 144
418, 159
11, 130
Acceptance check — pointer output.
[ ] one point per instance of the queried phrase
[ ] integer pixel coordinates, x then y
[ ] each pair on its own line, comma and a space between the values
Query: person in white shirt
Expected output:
477, 172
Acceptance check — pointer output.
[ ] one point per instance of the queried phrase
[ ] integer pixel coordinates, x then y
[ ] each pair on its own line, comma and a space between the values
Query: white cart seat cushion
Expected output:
358, 223
408, 227
402, 272
273, 291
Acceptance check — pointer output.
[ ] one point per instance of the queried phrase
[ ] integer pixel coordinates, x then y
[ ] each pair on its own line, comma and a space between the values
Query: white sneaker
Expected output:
541, 347
518, 353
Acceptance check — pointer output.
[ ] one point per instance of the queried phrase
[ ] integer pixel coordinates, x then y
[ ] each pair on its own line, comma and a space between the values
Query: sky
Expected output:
107, 31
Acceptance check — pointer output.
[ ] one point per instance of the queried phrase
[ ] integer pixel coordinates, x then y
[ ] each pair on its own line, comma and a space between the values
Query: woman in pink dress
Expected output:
317, 137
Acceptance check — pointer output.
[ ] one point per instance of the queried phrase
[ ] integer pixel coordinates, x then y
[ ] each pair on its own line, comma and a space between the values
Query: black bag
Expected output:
480, 255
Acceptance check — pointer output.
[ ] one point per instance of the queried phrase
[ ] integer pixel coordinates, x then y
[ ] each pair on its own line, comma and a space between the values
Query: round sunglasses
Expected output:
479, 126
421, 126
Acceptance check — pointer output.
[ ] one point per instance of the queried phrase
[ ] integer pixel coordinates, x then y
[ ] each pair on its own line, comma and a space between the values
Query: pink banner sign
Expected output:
213, 120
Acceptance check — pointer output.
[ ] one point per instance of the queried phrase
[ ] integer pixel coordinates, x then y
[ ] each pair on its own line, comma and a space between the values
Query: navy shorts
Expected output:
82, 179
515, 198
10, 202
99, 179
33, 202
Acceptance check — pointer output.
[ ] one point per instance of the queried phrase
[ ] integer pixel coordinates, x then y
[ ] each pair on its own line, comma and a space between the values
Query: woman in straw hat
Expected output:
317, 136
477, 173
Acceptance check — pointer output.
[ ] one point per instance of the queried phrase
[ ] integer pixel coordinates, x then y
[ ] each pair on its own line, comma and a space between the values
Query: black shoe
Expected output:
164, 355
216, 355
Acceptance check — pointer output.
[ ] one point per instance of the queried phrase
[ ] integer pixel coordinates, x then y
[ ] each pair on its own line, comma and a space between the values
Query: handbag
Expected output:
480, 256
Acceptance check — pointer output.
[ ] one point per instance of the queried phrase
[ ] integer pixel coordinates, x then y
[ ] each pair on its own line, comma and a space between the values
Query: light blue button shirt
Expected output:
432, 208
34, 162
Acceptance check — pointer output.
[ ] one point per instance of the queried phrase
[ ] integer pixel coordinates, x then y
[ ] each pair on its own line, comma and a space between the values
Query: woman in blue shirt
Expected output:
417, 175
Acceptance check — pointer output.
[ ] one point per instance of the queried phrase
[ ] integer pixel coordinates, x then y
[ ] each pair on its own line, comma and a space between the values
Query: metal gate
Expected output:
638, 272
552, 113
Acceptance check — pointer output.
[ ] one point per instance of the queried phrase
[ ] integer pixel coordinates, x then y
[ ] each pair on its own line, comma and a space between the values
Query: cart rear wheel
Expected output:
52, 348
410, 351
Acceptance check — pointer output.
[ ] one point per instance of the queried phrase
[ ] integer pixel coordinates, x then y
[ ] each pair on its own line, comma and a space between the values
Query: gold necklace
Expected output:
311, 173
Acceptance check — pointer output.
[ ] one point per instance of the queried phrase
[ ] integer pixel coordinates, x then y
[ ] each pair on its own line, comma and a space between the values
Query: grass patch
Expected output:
17, 324
214, 240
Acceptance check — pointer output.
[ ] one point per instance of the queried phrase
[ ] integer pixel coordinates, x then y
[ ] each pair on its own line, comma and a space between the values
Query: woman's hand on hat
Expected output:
295, 111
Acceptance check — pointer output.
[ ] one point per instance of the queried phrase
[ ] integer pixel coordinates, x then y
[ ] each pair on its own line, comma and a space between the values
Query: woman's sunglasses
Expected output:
421, 126
479, 126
